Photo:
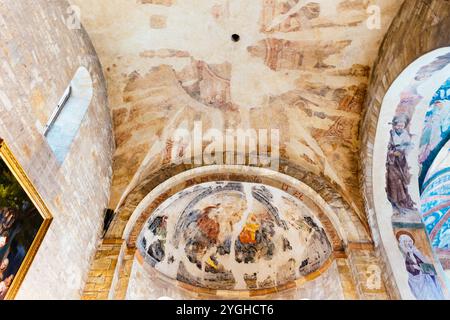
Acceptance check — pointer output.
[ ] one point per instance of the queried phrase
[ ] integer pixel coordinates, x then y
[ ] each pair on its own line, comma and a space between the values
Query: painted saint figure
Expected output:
422, 276
5, 285
397, 175
7, 218
437, 125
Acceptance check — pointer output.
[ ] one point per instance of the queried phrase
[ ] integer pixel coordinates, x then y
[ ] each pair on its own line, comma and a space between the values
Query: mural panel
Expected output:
435, 205
24, 220
286, 72
234, 236
422, 275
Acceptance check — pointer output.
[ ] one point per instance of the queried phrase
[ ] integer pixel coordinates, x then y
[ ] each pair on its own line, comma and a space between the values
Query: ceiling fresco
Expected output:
234, 236
298, 67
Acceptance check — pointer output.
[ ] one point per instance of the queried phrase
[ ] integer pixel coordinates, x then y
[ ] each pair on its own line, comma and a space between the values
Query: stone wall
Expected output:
39, 56
358, 266
102, 272
420, 27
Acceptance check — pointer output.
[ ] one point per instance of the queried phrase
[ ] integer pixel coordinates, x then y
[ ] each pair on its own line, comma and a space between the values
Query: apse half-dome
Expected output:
234, 236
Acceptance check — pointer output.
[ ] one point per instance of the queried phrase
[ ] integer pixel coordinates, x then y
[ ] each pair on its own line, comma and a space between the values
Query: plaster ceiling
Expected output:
301, 67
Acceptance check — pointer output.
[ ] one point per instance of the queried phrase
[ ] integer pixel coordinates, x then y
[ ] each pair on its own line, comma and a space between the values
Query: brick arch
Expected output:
330, 192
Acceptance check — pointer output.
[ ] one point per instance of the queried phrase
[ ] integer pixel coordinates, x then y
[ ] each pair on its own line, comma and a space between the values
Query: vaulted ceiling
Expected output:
301, 67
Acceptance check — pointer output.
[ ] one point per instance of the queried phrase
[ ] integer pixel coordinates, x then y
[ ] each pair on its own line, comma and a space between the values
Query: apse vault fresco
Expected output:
234, 236
434, 178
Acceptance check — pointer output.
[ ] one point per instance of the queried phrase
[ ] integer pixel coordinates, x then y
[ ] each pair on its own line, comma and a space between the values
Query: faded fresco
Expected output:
397, 170
398, 175
20, 222
169, 66
407, 215
435, 204
234, 236
422, 275
436, 132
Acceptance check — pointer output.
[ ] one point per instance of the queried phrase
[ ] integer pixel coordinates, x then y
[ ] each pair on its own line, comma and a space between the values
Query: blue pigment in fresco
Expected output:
436, 131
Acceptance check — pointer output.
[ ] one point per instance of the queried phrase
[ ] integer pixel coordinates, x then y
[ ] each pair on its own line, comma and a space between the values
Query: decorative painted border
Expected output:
417, 76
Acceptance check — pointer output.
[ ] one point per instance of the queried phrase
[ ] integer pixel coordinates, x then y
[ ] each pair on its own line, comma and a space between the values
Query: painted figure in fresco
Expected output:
422, 277
234, 236
7, 218
397, 175
201, 233
158, 227
256, 239
436, 128
427, 71
3, 267
4, 286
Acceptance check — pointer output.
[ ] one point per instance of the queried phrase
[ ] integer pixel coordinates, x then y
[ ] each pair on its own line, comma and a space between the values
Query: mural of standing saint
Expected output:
422, 276
397, 175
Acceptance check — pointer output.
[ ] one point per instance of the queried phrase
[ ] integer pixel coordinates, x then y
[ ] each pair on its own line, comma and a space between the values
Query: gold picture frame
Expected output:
16, 169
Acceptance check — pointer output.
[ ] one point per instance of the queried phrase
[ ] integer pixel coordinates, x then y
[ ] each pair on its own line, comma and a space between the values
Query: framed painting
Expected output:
24, 220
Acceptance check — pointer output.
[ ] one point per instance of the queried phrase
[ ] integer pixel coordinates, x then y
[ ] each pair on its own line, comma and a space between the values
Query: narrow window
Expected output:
65, 121
58, 109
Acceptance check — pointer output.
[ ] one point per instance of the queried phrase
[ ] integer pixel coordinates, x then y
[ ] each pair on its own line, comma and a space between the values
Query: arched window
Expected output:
434, 180
63, 125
